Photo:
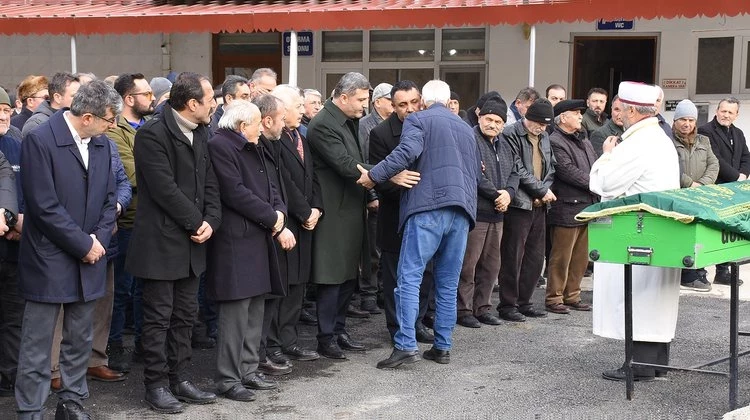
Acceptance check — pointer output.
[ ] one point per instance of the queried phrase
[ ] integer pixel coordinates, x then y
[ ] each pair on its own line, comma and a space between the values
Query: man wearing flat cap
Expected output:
644, 161
568, 258
497, 188
522, 246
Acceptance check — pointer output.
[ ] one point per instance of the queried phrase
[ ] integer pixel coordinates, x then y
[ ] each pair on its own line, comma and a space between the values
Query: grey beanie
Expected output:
4, 98
160, 86
685, 109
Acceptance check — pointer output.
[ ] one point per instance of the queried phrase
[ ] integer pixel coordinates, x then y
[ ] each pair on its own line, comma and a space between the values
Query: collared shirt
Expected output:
83, 144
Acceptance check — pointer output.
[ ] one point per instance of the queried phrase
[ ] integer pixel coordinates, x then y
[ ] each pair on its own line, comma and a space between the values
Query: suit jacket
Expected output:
271, 151
64, 203
177, 191
340, 238
303, 194
733, 155
242, 261
383, 139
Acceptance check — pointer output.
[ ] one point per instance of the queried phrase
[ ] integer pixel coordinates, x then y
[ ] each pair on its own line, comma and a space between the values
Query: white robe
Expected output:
645, 161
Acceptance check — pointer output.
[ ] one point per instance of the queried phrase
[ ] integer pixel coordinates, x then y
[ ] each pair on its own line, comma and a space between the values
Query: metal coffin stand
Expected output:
645, 239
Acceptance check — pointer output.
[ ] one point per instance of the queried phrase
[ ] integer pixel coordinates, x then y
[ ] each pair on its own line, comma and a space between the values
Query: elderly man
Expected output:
435, 217
698, 166
523, 101
242, 268
313, 103
645, 161
262, 82
69, 195
568, 258
729, 145
594, 117
613, 127
61, 88
178, 211
481, 265
522, 246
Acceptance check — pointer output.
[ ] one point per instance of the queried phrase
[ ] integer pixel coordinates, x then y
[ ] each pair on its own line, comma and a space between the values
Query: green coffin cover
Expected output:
724, 206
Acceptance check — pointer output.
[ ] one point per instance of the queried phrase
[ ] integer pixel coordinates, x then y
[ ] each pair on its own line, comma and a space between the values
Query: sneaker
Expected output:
725, 277
696, 285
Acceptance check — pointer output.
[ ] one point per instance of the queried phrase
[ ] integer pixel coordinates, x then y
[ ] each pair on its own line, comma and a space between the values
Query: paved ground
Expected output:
548, 368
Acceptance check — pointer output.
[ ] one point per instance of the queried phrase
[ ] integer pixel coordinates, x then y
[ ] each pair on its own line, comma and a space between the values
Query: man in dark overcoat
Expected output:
178, 210
69, 194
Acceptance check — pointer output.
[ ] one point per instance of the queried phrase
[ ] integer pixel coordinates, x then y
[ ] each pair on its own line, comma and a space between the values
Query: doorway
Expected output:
468, 82
606, 61
242, 53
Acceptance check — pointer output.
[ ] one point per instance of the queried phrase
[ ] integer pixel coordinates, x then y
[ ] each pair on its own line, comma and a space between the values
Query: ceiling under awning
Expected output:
25, 17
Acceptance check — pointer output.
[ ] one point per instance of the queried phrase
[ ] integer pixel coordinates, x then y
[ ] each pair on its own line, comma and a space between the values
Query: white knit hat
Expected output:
638, 94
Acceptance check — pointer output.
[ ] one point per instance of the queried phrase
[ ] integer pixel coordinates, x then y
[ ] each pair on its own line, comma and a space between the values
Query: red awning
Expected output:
139, 16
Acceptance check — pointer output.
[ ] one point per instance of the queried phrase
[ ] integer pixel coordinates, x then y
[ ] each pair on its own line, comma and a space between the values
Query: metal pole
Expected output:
629, 331
293, 58
73, 53
532, 54
734, 306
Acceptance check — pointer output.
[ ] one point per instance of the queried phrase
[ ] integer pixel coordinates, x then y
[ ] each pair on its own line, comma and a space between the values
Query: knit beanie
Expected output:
495, 107
541, 111
160, 86
4, 98
685, 109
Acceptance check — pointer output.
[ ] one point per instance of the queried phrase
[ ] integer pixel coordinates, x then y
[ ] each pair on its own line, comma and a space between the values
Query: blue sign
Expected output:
304, 43
614, 25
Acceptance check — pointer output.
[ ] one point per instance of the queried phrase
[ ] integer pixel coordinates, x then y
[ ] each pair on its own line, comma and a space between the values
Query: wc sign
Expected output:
614, 25
304, 43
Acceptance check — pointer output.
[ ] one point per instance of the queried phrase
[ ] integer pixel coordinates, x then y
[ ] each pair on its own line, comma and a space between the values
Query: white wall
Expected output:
192, 52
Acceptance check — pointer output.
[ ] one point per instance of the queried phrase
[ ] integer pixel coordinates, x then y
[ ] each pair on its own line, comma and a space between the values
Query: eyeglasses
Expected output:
45, 97
148, 94
110, 121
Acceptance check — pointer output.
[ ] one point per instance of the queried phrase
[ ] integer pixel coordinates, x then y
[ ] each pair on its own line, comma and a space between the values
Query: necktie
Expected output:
298, 139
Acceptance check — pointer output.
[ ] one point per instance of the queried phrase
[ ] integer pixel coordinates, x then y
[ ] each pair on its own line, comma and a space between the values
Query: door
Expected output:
241, 54
468, 82
606, 61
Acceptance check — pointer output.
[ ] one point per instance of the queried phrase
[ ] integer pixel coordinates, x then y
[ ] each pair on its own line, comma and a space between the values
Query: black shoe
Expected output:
489, 319
118, 358
353, 312
305, 317
161, 400
468, 321
298, 353
137, 356
7, 389
259, 382
512, 315
438, 356
429, 321
424, 336
70, 410
398, 358
278, 357
331, 350
619, 375
370, 306
270, 368
725, 277
532, 312
239, 393
346, 343
185, 391
203, 343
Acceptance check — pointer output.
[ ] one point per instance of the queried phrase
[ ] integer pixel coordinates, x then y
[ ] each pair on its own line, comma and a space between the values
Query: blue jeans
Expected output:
439, 235
126, 289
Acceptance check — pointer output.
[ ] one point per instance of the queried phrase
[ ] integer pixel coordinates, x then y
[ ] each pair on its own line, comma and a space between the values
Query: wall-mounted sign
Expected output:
304, 43
673, 83
614, 25
670, 105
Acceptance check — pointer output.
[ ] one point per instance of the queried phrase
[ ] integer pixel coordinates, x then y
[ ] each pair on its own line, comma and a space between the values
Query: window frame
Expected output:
739, 63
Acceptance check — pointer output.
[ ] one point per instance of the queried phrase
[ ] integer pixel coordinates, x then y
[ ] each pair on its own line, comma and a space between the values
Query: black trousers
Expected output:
368, 280
270, 314
11, 317
522, 256
169, 311
650, 352
388, 275
333, 299
283, 329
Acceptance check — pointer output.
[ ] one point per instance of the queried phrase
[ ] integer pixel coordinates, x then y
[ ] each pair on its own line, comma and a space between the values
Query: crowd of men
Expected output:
147, 205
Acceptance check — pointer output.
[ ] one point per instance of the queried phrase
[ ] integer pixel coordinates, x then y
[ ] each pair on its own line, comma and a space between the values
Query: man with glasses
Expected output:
69, 195
522, 246
178, 211
32, 92
61, 88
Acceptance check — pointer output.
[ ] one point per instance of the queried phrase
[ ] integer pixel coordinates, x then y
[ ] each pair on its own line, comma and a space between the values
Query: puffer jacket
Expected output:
697, 163
529, 187
499, 174
42, 114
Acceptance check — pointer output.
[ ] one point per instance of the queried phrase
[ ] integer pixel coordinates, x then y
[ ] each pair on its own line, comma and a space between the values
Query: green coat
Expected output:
340, 238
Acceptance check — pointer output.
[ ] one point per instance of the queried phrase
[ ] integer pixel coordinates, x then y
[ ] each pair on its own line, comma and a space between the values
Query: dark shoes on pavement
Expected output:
274, 369
438, 356
558, 308
118, 358
619, 375
468, 321
489, 319
579, 306
532, 312
724, 276
70, 410
278, 357
370, 306
258, 382
424, 335
104, 374
187, 392
398, 358
298, 353
512, 315
346, 343
330, 350
239, 393
354, 312
162, 400
307, 318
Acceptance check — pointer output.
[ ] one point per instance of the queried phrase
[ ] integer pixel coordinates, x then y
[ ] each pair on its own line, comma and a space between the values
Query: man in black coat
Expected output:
383, 139
178, 211
729, 145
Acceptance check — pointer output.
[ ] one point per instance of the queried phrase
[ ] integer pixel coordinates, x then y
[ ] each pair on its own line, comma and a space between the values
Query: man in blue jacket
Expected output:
435, 217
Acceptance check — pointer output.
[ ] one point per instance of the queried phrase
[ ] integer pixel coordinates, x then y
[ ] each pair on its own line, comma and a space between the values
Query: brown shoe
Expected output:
56, 384
104, 374
579, 306
558, 308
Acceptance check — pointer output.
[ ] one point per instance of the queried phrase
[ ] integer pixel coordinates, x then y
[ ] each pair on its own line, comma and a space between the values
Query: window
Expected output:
250, 43
402, 45
715, 64
463, 44
418, 76
345, 46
